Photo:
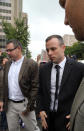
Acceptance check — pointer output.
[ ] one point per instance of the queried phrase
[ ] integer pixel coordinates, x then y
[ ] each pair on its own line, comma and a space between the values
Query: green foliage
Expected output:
28, 53
19, 32
77, 49
9, 30
4, 55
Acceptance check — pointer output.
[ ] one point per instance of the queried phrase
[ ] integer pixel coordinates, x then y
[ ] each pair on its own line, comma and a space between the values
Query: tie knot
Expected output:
57, 67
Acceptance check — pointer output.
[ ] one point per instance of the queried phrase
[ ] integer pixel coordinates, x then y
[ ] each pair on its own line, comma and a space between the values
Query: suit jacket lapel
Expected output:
67, 69
6, 72
22, 68
48, 75
8, 66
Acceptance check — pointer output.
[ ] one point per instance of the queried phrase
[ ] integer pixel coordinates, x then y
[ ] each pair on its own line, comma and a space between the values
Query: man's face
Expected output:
12, 51
55, 51
4, 60
74, 16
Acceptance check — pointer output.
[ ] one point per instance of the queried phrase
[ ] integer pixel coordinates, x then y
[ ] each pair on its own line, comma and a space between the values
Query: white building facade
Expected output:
9, 10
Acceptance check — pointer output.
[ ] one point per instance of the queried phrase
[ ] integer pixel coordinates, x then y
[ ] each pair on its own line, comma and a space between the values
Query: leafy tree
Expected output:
19, 32
28, 53
77, 49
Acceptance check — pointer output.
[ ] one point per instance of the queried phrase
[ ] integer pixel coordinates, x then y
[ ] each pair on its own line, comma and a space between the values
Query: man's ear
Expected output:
63, 46
19, 47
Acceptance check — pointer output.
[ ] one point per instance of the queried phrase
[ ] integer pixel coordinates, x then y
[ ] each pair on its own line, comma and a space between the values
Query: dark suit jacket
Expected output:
72, 76
28, 81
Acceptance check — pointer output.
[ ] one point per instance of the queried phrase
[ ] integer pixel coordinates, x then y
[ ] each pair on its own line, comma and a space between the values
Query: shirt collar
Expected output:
18, 61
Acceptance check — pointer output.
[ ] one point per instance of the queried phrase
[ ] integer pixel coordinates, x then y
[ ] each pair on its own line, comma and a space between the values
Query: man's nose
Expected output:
49, 52
66, 22
8, 52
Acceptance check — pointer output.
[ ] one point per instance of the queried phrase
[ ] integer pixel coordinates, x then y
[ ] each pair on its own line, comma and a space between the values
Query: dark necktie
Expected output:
57, 84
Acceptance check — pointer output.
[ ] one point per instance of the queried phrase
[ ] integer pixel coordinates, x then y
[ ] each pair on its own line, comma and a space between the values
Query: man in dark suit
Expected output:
75, 18
20, 88
55, 98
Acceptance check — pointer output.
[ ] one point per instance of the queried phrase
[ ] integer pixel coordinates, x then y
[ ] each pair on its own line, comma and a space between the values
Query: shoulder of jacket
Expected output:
30, 61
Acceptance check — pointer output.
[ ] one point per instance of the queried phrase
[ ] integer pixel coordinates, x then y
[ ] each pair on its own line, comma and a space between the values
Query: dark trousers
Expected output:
56, 122
3, 122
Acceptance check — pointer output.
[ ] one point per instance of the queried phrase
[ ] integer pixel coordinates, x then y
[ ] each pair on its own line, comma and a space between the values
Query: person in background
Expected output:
42, 58
74, 57
3, 125
1, 88
59, 80
75, 18
5, 59
39, 59
20, 88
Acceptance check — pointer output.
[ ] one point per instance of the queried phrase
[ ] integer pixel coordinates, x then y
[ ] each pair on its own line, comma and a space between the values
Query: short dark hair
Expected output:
15, 42
55, 36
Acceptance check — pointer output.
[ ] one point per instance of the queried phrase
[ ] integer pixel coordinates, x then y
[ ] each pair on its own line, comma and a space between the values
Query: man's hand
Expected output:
68, 125
24, 113
1, 106
43, 119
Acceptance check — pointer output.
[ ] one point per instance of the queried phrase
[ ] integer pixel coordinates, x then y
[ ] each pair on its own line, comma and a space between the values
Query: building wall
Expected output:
9, 10
69, 40
24, 15
16, 9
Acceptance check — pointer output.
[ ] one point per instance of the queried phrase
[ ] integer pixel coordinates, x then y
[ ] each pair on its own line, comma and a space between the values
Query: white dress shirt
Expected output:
13, 84
53, 82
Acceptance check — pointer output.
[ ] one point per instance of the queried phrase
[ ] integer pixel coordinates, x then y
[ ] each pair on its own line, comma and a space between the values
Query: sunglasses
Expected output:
10, 50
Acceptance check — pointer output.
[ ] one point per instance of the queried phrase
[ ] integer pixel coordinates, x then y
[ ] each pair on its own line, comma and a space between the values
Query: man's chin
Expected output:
54, 61
79, 37
11, 58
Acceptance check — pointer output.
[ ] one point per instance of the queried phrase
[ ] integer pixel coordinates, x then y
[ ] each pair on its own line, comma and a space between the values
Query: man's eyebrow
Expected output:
62, 3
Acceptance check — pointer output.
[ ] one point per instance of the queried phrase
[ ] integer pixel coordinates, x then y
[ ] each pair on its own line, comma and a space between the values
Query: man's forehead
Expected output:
62, 3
